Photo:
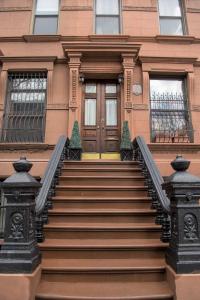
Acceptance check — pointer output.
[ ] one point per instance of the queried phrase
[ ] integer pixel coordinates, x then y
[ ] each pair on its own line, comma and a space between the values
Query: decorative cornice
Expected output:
15, 9
139, 8
57, 106
75, 8
33, 147
175, 39
168, 59
41, 38
195, 108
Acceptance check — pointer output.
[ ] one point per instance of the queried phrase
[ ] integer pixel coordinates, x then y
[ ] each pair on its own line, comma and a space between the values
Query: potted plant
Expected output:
126, 147
75, 148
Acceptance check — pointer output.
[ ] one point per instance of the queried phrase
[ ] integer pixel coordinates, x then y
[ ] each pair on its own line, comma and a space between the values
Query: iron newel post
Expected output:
19, 251
183, 190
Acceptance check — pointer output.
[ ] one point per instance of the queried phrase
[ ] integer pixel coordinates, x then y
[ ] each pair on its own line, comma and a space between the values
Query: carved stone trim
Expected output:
196, 108
193, 10
137, 8
75, 8
13, 9
140, 106
57, 106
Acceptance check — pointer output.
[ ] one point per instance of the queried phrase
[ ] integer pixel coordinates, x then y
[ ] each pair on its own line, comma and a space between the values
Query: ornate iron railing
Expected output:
154, 180
170, 119
25, 108
49, 181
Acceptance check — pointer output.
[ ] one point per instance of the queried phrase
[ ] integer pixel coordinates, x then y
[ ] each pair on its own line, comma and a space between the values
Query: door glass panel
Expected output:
111, 112
90, 88
111, 89
90, 112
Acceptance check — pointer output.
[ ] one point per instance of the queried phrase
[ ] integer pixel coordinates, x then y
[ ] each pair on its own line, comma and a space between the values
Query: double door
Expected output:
101, 117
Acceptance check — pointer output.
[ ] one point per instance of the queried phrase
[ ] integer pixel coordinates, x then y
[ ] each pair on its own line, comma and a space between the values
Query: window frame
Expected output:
182, 18
6, 131
117, 16
46, 16
186, 102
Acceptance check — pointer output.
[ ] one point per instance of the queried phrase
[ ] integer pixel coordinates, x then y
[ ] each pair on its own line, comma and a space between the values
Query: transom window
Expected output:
46, 17
171, 20
25, 108
107, 16
170, 118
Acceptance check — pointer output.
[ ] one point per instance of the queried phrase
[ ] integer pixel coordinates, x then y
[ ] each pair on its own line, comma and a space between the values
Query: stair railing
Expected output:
49, 182
154, 181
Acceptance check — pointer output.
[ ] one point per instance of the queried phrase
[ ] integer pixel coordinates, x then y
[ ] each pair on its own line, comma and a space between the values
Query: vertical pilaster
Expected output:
128, 66
74, 90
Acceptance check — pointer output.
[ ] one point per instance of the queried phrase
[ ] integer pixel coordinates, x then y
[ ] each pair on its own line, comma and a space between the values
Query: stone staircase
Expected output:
101, 240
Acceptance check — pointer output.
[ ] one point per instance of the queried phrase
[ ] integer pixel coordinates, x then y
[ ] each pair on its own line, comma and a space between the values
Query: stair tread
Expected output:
102, 290
105, 226
101, 187
106, 169
101, 177
130, 263
103, 243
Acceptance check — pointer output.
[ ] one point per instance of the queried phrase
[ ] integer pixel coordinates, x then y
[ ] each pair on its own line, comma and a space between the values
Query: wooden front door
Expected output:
101, 117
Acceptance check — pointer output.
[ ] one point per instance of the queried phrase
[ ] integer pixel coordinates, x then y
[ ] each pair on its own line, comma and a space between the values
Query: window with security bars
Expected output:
107, 16
46, 17
25, 108
170, 117
171, 17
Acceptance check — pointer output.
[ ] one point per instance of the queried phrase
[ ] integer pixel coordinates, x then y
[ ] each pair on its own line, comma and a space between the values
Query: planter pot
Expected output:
126, 154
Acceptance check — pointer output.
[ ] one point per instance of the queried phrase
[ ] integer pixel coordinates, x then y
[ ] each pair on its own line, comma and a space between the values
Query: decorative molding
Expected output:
193, 10
57, 106
174, 147
28, 58
75, 8
15, 9
172, 60
98, 69
35, 147
138, 8
140, 106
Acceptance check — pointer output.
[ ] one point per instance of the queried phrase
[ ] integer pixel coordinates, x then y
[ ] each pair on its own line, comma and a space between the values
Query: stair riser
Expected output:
84, 277
101, 193
100, 219
100, 205
147, 253
101, 182
100, 165
101, 234
103, 172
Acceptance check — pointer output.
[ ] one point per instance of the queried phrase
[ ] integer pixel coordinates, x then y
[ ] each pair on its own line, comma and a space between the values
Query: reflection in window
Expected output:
111, 112
111, 89
171, 21
46, 17
90, 88
107, 17
90, 112
170, 120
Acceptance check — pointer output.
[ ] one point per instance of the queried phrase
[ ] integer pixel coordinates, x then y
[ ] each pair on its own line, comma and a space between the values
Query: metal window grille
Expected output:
170, 119
25, 108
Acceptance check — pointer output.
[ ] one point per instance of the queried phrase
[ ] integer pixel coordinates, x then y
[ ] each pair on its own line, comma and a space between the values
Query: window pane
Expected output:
90, 112
107, 25
107, 7
166, 86
171, 26
45, 25
169, 8
44, 6
111, 112
90, 88
111, 89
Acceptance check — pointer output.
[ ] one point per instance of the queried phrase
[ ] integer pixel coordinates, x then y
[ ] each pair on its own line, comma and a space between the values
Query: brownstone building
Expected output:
100, 62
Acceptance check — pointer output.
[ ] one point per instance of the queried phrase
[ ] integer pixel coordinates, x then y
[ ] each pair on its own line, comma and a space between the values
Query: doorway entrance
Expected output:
101, 117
